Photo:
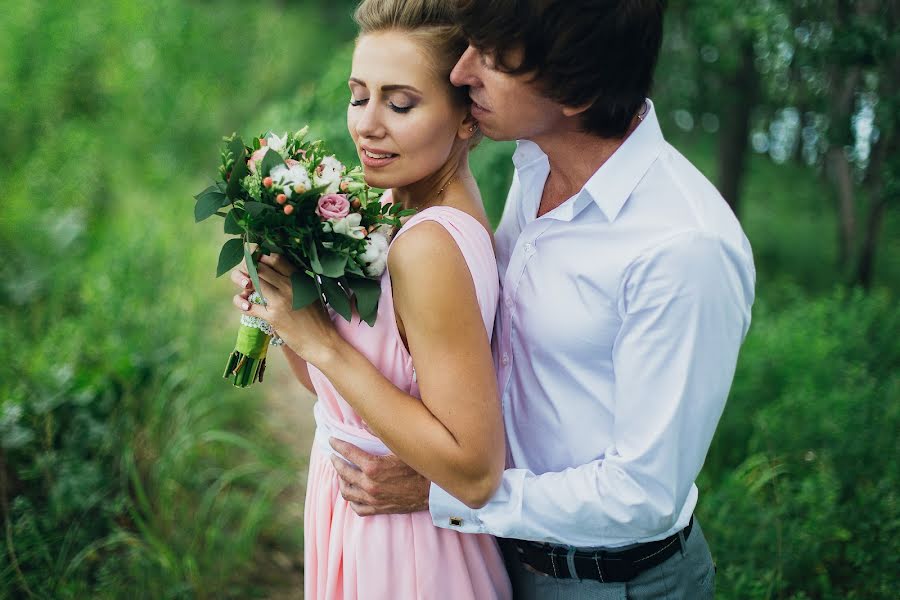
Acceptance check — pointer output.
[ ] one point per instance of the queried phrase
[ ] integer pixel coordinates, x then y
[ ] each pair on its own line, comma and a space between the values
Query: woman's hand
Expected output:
308, 331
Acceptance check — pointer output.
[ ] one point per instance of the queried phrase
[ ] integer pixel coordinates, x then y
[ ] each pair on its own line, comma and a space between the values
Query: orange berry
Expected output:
267, 182
263, 143
355, 204
345, 185
299, 188
280, 198
288, 209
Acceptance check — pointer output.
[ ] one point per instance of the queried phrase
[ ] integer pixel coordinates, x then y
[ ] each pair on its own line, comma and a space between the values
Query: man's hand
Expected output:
378, 485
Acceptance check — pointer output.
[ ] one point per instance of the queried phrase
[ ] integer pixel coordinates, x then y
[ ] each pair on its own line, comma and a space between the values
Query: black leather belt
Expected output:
600, 565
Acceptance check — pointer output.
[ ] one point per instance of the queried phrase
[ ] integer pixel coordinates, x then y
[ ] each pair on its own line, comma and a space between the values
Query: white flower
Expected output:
287, 177
349, 226
375, 256
329, 173
274, 142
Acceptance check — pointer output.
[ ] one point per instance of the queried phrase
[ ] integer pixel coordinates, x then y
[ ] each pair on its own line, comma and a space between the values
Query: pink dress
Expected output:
394, 557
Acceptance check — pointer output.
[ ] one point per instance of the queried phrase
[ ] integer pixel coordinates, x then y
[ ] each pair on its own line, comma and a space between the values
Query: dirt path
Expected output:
289, 411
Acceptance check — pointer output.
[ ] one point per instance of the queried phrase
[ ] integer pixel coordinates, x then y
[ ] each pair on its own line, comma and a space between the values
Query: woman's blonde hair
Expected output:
432, 23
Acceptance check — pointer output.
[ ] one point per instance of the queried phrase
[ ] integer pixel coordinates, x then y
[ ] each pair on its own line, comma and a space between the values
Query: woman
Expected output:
420, 383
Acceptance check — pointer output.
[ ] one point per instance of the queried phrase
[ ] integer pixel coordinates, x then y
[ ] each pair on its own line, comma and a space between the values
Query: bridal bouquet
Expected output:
286, 195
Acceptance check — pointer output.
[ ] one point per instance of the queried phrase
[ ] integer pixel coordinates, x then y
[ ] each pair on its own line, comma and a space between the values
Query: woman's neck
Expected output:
434, 190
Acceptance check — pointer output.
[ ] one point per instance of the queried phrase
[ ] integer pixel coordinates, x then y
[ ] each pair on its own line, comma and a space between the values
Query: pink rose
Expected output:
255, 158
333, 206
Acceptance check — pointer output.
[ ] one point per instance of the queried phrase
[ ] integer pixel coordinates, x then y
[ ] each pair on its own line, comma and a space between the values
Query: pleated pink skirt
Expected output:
390, 557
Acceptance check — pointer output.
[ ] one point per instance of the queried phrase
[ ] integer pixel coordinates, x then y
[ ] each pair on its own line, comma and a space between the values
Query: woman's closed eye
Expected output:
398, 108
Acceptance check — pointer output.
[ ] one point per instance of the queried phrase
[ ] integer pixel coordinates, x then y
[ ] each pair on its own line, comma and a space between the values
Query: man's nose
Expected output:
463, 72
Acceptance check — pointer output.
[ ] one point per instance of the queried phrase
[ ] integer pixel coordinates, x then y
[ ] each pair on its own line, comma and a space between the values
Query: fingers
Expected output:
278, 263
363, 510
244, 305
347, 472
273, 277
363, 460
241, 279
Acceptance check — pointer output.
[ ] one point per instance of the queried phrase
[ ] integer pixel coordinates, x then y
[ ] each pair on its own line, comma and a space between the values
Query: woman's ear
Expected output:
468, 128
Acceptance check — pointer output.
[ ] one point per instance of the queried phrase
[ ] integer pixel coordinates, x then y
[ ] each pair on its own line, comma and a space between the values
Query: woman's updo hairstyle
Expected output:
431, 23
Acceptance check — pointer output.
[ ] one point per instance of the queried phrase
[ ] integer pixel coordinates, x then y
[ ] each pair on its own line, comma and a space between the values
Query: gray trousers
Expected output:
684, 576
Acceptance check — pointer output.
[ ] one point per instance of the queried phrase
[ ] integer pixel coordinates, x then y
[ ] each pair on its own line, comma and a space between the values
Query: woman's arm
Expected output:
454, 434
299, 367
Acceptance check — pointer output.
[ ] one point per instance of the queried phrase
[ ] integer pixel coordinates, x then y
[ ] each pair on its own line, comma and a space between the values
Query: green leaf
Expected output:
329, 263
232, 227
208, 202
270, 160
256, 208
239, 170
304, 289
231, 254
212, 188
336, 298
251, 270
367, 292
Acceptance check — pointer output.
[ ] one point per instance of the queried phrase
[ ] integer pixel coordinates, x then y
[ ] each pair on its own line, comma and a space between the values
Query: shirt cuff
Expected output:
450, 513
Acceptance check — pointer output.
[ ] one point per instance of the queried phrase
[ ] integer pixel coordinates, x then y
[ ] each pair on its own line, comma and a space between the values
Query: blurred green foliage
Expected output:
128, 469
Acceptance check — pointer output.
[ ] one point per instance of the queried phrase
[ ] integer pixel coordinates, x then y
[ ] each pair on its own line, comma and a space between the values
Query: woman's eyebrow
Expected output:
388, 88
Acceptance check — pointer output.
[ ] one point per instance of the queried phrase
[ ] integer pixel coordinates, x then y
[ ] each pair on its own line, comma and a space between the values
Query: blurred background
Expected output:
128, 468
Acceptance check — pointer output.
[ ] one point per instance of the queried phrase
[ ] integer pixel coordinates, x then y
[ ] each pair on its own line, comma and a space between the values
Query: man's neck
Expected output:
574, 157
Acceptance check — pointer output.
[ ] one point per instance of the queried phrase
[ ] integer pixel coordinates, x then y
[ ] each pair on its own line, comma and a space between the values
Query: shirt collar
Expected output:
612, 184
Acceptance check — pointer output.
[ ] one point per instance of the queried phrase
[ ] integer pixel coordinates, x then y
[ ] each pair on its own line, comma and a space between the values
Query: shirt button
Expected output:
529, 248
505, 359
509, 302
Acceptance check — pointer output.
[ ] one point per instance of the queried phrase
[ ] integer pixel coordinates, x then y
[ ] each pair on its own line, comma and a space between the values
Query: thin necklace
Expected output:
443, 187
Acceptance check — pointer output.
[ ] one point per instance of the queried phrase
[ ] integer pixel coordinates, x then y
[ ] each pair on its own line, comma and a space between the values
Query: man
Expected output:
627, 288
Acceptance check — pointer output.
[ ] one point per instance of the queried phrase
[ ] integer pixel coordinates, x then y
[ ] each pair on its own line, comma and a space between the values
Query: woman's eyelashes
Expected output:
402, 109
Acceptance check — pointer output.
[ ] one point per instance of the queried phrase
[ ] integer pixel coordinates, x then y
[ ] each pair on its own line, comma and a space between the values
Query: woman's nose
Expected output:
369, 124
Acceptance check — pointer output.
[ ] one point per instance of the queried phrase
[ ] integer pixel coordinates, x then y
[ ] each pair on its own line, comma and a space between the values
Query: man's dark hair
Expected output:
578, 52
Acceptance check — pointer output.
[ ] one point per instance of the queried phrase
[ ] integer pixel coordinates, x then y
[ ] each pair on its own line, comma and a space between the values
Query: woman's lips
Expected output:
376, 158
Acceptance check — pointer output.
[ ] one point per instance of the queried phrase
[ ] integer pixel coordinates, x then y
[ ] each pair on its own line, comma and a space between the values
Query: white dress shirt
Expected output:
622, 312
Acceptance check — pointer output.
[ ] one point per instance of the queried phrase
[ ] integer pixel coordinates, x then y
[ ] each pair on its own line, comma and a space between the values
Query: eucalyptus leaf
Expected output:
231, 254
336, 298
312, 252
367, 292
251, 270
304, 290
232, 227
212, 188
256, 208
239, 170
270, 160
329, 263
209, 201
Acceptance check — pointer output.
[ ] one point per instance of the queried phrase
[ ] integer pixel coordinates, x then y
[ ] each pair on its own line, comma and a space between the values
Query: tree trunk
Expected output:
842, 173
734, 136
884, 166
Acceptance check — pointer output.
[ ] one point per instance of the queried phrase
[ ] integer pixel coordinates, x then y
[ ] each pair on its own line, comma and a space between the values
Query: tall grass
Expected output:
128, 467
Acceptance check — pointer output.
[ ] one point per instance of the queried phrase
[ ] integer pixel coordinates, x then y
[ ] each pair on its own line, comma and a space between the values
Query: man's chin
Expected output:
496, 135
